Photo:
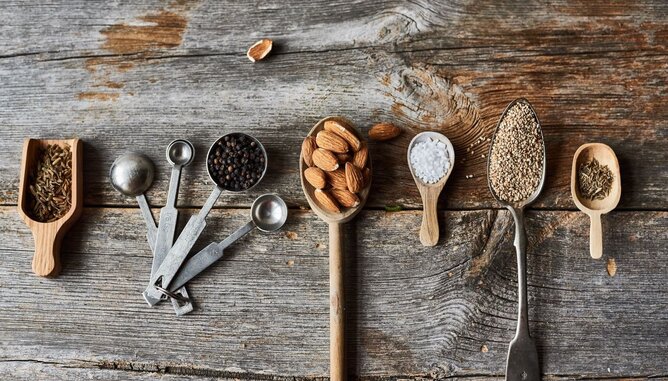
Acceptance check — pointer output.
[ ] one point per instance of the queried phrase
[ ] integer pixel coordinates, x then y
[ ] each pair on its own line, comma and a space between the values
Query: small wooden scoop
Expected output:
336, 314
429, 231
594, 208
48, 235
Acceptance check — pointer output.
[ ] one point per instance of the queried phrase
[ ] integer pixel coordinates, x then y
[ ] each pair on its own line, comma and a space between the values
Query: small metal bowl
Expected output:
222, 139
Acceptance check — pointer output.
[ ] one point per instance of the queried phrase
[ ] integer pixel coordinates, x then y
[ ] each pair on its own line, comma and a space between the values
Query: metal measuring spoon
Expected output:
522, 361
132, 174
180, 153
191, 232
268, 213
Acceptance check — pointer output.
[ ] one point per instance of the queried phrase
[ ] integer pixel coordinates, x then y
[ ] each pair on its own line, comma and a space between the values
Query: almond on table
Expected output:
384, 131
259, 50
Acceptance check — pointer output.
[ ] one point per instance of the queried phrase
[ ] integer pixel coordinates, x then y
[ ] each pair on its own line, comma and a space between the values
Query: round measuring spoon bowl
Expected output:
269, 212
236, 152
132, 173
180, 152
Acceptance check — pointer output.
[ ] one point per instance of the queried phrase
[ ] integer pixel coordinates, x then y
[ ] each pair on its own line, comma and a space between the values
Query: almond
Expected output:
316, 177
337, 179
326, 201
361, 157
384, 131
343, 158
259, 50
345, 132
308, 146
325, 160
366, 173
354, 178
345, 197
331, 142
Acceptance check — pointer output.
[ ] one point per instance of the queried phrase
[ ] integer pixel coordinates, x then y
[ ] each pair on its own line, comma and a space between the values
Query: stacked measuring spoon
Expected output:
132, 174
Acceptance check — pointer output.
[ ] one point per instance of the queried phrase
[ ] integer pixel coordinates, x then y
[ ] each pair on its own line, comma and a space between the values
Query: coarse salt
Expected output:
430, 160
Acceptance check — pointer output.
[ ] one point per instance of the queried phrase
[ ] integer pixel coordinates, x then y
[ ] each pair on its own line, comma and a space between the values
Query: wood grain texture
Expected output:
136, 75
411, 311
593, 71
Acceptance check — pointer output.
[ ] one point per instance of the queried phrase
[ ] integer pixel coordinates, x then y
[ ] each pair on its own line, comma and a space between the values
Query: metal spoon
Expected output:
522, 361
180, 153
132, 174
193, 229
268, 213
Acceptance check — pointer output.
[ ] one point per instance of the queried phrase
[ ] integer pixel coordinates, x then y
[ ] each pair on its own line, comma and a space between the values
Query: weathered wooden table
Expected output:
137, 75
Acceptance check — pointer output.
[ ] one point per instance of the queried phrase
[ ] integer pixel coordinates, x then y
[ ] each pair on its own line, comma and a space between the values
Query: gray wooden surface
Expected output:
137, 75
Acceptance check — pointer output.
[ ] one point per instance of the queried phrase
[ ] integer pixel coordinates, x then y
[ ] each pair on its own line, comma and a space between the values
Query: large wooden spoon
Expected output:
336, 314
594, 208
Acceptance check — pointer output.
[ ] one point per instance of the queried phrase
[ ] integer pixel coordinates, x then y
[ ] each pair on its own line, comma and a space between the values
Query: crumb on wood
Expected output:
291, 235
290, 263
612, 267
484, 349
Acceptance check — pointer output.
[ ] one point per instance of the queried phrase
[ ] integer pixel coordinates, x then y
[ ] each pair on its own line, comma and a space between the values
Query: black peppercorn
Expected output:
237, 163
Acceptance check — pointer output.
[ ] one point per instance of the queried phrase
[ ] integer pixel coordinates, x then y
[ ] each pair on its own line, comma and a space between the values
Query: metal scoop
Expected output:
191, 232
180, 153
522, 364
268, 214
132, 174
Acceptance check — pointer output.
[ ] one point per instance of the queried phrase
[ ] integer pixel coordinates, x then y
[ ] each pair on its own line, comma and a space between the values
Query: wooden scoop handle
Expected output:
595, 236
429, 230
336, 314
46, 261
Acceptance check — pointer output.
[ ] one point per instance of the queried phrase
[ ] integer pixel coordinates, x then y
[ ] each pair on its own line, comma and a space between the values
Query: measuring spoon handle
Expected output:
207, 256
151, 229
178, 253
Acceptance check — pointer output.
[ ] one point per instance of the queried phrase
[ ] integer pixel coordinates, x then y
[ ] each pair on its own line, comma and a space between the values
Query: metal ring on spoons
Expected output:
179, 251
268, 213
132, 174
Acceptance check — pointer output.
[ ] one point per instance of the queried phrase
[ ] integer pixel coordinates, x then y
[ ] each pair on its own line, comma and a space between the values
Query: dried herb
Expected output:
594, 180
51, 184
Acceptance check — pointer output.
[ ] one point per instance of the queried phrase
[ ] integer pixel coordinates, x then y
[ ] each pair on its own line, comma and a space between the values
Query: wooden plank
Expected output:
412, 311
137, 76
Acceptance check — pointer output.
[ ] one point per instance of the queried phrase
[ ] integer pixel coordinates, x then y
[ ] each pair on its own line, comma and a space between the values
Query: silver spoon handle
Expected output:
207, 256
521, 249
151, 228
167, 225
177, 254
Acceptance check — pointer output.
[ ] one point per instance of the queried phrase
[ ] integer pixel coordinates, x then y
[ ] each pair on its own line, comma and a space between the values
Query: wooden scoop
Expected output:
594, 208
336, 315
49, 235
429, 231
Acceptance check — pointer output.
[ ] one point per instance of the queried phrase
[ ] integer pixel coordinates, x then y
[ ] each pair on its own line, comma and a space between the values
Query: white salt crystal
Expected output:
430, 160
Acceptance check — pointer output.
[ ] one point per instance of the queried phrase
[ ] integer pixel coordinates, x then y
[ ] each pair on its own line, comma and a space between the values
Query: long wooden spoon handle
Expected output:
595, 236
336, 314
429, 229
46, 261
